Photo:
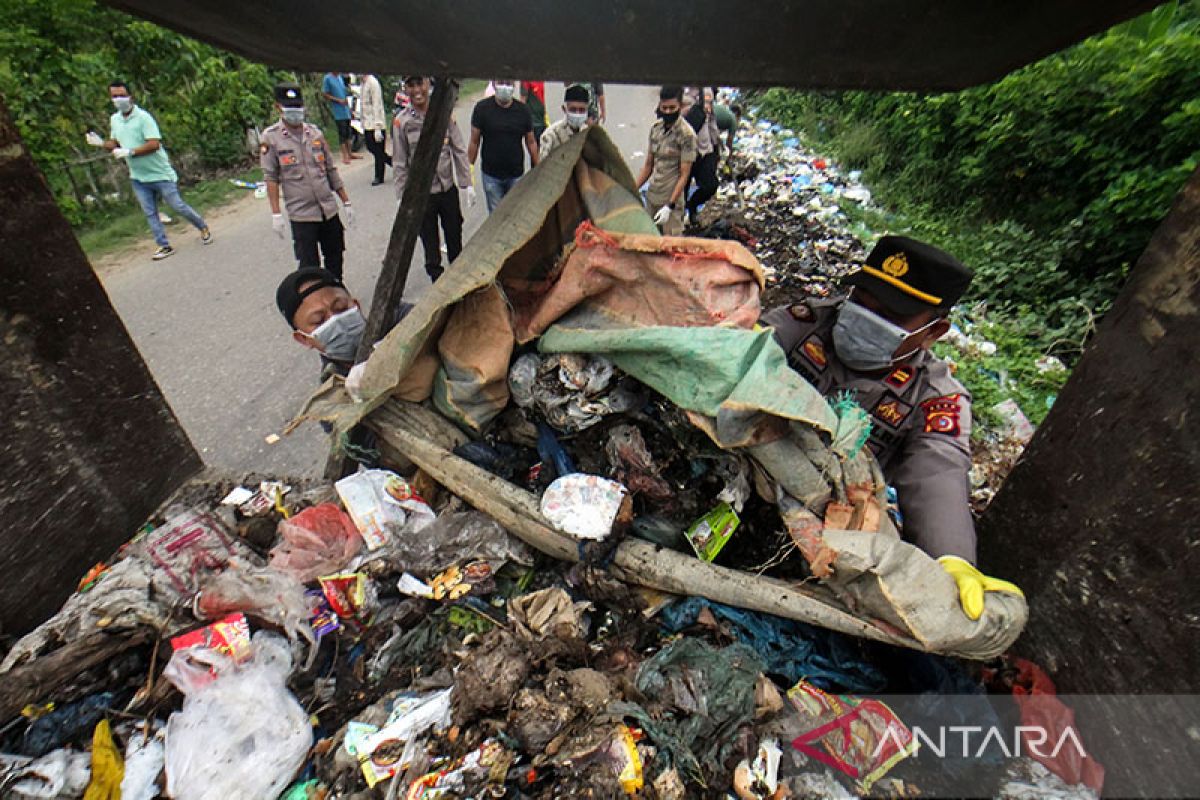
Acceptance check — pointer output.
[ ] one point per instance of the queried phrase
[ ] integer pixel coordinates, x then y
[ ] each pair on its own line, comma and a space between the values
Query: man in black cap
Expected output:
874, 344
575, 119
295, 157
323, 315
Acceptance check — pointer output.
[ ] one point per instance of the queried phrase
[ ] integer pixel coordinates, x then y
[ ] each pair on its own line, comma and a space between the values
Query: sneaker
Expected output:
163, 252
206, 236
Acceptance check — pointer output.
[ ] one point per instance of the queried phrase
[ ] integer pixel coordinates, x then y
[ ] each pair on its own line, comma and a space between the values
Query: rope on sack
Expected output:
853, 426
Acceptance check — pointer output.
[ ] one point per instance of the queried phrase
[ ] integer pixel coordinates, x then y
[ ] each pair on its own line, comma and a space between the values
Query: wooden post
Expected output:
389, 288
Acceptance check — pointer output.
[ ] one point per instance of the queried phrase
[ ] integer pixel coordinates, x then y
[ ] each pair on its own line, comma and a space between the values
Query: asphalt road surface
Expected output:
206, 323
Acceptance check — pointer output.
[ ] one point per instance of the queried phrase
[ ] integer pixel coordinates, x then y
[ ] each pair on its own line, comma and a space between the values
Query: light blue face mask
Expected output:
123, 104
340, 334
865, 341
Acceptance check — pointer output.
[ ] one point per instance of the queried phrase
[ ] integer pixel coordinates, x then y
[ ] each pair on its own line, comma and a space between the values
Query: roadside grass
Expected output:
126, 226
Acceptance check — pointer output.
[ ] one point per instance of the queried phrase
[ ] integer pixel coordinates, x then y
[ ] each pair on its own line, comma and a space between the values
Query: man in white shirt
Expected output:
374, 120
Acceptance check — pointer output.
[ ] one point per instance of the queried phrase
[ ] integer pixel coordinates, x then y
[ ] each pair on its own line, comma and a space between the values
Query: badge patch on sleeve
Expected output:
941, 414
264, 148
899, 377
891, 411
814, 350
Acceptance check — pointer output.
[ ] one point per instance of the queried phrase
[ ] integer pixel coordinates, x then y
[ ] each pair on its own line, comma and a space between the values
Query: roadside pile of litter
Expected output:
375, 646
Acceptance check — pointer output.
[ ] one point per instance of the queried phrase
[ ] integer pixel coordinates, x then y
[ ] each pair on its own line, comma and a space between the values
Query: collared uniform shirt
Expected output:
452, 166
920, 425
554, 136
672, 148
300, 162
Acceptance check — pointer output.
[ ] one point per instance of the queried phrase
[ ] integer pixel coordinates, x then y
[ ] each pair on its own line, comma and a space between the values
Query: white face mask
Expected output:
293, 115
123, 104
576, 121
504, 93
865, 341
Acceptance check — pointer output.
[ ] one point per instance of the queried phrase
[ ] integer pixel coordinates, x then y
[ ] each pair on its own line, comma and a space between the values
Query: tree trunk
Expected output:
1100, 520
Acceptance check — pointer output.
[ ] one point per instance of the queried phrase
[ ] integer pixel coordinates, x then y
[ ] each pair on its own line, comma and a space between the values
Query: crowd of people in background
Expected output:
510, 131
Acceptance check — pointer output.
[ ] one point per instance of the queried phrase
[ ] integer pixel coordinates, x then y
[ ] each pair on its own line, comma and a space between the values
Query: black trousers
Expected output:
311, 240
704, 174
382, 159
443, 207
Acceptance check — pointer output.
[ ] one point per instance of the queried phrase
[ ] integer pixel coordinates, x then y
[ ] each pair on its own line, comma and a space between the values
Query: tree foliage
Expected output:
1049, 181
57, 58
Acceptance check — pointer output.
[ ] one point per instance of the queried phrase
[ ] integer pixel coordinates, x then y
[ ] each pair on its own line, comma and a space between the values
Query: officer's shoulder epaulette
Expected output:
940, 380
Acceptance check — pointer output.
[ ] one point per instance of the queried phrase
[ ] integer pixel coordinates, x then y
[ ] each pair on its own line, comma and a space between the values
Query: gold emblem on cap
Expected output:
896, 264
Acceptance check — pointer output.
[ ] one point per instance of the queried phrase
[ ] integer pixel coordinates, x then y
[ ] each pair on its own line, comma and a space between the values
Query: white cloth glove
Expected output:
472, 198
662, 215
121, 152
354, 382
348, 213
278, 225
378, 135
94, 139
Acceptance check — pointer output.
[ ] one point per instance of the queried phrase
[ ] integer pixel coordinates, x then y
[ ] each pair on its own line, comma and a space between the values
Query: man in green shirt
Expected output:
134, 139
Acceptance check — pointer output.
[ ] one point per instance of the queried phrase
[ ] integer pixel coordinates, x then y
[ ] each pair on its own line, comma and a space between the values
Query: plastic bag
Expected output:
63, 773
244, 734
108, 767
454, 538
144, 757
584, 506
317, 541
381, 503
268, 594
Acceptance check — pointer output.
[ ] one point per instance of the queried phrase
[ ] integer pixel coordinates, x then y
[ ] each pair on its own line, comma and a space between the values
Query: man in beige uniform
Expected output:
453, 173
875, 345
575, 116
295, 157
669, 162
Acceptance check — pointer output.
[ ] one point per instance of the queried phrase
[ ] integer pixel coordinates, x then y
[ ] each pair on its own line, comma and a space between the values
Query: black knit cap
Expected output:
289, 95
909, 277
289, 295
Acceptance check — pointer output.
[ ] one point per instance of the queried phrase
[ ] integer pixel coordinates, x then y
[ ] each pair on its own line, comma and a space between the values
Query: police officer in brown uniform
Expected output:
669, 162
295, 156
453, 173
874, 344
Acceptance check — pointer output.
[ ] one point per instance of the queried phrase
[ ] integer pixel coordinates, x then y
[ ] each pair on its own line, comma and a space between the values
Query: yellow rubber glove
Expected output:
972, 584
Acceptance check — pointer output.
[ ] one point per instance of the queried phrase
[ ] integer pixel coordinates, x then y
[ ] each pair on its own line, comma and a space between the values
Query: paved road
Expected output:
206, 323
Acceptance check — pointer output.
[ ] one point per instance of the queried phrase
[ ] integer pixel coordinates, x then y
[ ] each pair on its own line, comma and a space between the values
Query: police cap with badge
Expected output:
909, 277
289, 95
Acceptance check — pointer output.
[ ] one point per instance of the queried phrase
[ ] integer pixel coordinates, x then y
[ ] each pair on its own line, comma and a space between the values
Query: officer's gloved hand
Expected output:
378, 135
93, 138
972, 584
662, 215
471, 197
348, 213
278, 225
121, 152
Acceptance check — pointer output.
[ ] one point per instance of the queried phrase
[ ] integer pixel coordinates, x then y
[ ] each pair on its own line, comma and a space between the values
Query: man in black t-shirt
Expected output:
502, 124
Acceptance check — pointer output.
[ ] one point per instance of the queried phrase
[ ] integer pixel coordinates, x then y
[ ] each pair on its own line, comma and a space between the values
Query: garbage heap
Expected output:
574, 419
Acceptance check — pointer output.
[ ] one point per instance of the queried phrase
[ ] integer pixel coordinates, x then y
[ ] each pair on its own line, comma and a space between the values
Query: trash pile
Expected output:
783, 202
353, 641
